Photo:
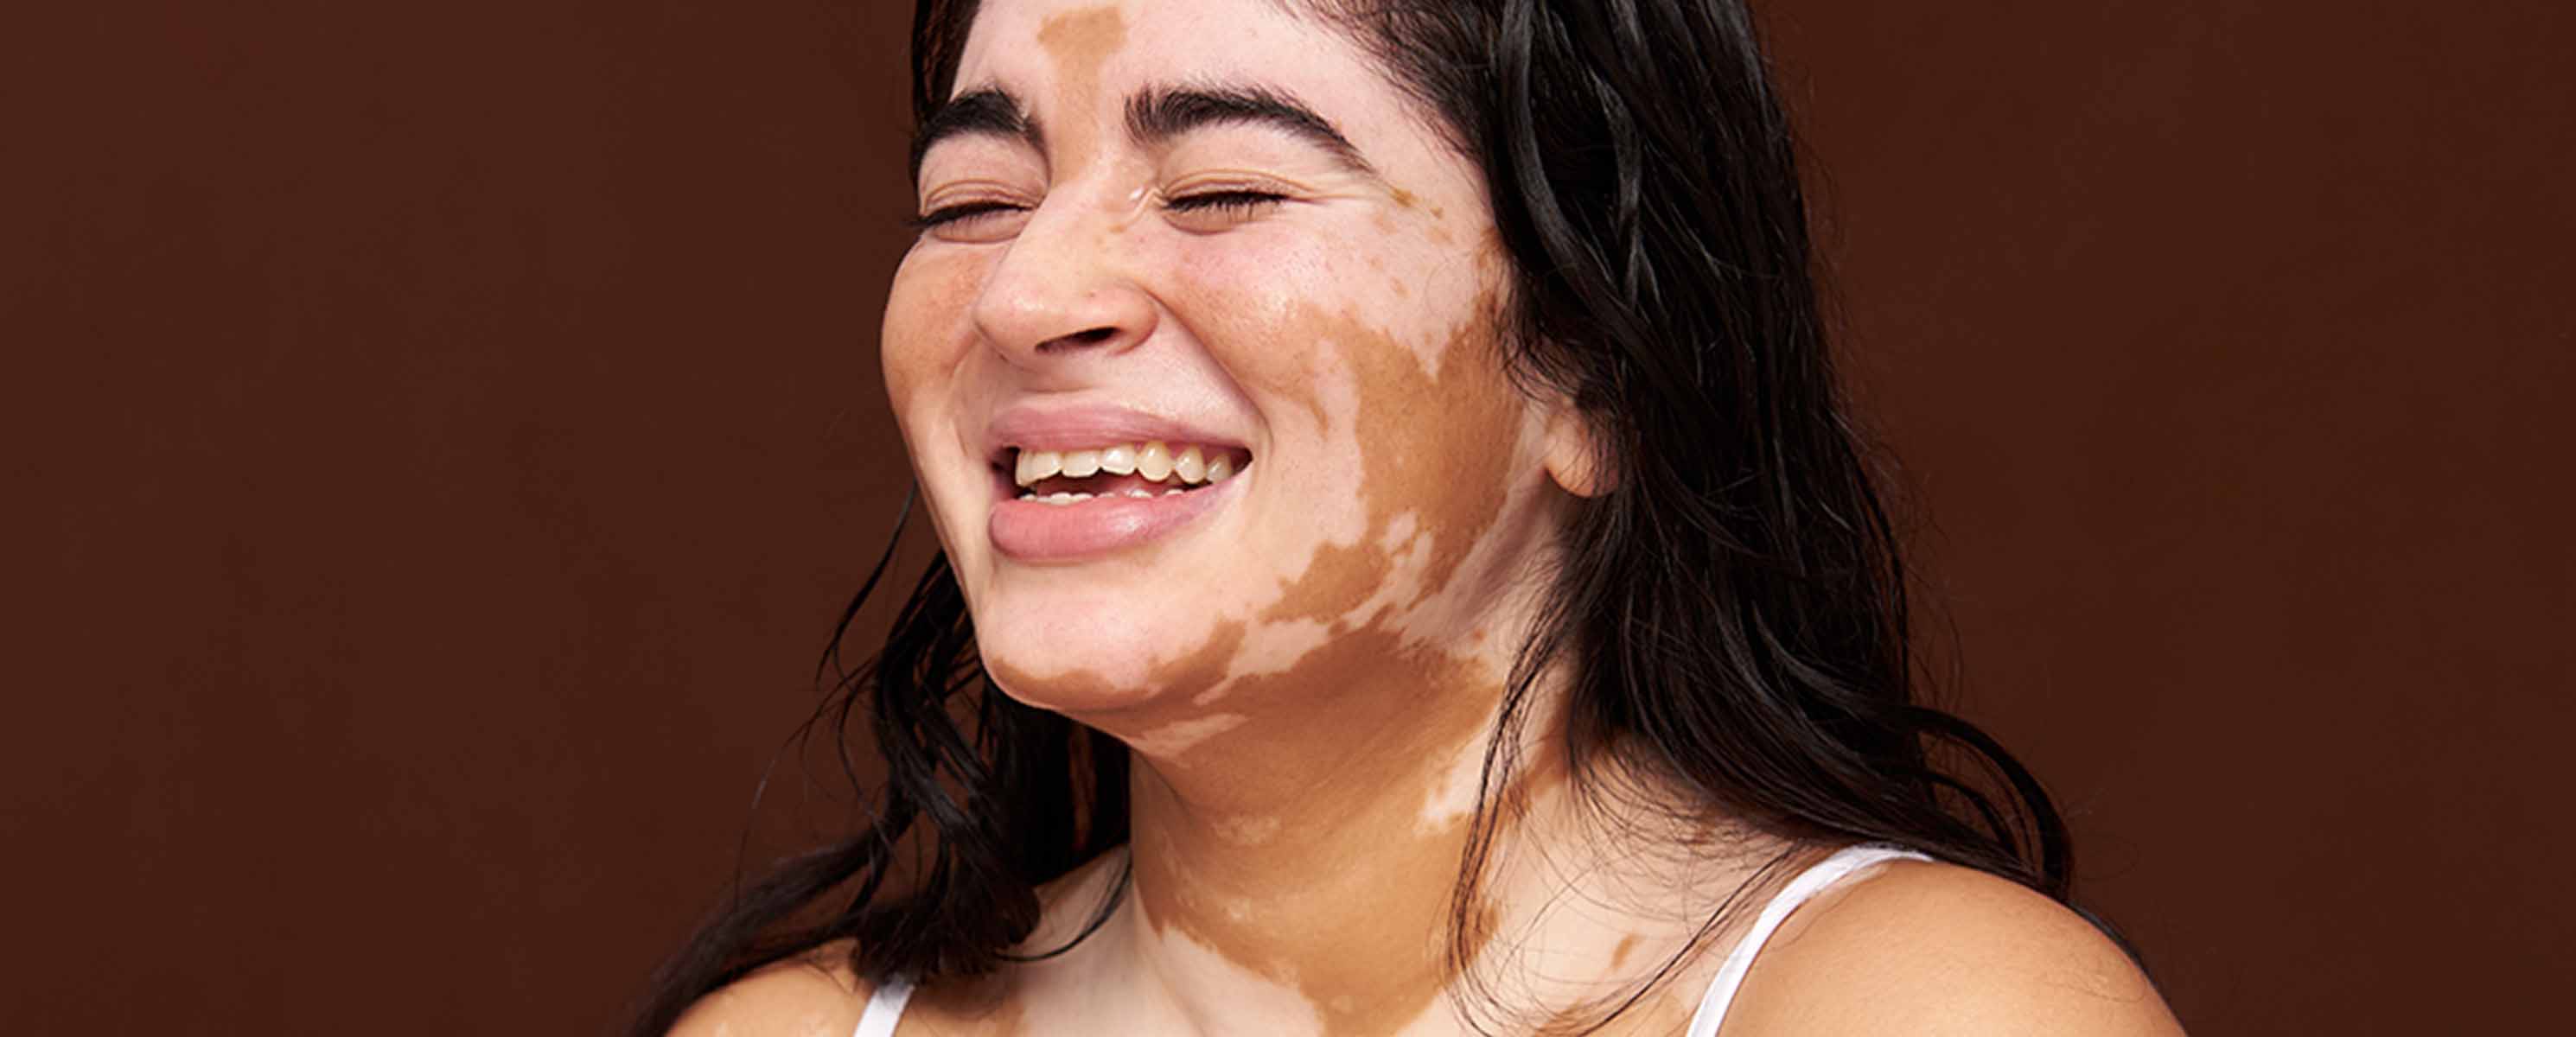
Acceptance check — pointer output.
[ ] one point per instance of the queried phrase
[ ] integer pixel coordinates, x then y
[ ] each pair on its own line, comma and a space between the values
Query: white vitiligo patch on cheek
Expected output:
1453, 801
1407, 547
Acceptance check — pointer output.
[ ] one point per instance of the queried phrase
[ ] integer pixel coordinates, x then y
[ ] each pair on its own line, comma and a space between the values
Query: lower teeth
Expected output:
1133, 493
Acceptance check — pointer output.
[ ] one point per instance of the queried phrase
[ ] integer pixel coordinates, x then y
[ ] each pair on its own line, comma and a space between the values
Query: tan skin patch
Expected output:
1404, 453
1079, 42
1410, 201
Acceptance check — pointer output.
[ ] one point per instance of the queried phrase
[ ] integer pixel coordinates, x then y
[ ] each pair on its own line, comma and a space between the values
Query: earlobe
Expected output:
1573, 458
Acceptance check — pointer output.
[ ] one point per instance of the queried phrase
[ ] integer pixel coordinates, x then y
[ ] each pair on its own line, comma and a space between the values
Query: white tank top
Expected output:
885, 1007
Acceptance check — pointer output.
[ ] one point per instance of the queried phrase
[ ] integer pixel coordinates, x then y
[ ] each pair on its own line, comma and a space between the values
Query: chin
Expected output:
1093, 652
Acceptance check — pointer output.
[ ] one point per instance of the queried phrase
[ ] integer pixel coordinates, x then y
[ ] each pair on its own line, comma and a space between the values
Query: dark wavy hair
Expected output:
1730, 614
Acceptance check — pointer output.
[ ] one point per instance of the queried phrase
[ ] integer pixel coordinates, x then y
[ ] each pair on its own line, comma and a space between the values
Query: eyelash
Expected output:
1225, 203
1235, 203
948, 214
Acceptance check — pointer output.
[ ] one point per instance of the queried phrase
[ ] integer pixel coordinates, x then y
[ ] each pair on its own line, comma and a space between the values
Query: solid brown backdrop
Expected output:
441, 436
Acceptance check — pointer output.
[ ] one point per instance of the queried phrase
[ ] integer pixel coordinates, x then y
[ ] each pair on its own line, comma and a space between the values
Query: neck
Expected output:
1302, 881
1308, 857
1298, 838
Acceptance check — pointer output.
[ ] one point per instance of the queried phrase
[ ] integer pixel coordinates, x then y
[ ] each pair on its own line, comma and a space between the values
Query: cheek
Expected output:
926, 331
1260, 303
1438, 432
1248, 307
924, 344
1405, 391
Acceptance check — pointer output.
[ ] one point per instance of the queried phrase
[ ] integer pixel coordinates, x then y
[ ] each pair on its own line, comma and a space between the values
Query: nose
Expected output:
1062, 293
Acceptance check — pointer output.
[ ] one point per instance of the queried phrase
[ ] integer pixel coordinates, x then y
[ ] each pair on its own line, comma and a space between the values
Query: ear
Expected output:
1572, 453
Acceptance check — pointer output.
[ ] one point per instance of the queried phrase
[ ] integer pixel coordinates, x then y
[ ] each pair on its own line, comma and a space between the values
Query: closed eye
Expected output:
1224, 203
949, 215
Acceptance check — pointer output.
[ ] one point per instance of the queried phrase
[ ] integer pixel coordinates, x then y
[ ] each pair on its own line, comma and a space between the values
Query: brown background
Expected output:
439, 436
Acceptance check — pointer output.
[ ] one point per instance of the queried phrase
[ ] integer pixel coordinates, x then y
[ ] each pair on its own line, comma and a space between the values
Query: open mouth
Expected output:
1138, 471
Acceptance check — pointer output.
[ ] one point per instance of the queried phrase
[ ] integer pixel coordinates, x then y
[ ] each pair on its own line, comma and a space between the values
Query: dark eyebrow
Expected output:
988, 111
1159, 114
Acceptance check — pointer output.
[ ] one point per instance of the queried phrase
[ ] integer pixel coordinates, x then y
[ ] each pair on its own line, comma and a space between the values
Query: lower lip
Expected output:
1028, 530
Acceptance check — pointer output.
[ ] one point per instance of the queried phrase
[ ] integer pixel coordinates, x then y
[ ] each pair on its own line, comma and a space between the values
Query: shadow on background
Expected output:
439, 440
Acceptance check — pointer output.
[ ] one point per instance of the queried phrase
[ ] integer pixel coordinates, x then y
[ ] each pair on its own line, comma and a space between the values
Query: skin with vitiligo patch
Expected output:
1309, 674
1306, 673
1078, 42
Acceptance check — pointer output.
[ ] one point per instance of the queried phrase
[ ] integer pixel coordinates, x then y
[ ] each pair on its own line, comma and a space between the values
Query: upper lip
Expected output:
1031, 426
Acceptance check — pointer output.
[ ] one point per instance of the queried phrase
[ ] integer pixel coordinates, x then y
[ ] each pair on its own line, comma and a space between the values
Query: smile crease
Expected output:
1131, 470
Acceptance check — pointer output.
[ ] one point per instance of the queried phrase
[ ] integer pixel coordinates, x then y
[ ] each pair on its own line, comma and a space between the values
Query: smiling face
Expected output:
1197, 363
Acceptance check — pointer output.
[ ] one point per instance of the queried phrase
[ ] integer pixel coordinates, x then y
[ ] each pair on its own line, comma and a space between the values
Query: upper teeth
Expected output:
1154, 460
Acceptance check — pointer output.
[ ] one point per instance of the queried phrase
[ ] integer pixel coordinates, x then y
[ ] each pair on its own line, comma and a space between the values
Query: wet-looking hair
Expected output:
1730, 613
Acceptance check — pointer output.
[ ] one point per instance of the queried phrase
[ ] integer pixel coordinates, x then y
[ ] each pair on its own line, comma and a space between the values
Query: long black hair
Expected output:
1731, 613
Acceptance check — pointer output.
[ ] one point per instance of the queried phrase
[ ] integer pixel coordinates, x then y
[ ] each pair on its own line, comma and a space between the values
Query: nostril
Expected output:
1088, 337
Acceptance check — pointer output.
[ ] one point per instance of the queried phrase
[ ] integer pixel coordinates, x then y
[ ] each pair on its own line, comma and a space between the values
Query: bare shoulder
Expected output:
811, 995
1919, 948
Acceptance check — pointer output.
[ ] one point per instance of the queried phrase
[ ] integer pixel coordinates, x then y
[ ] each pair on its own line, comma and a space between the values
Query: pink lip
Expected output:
1032, 531
1076, 428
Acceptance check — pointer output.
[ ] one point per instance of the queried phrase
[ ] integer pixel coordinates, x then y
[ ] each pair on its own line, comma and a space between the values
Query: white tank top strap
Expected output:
1816, 879
885, 1008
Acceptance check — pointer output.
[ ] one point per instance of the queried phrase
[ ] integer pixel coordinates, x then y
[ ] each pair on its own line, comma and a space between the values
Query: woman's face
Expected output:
1205, 264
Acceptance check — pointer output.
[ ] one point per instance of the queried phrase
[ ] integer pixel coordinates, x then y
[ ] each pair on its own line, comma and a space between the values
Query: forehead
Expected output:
1078, 60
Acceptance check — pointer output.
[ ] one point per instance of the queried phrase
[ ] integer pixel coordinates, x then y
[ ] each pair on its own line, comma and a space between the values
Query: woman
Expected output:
1404, 568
